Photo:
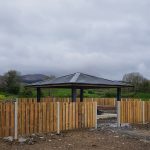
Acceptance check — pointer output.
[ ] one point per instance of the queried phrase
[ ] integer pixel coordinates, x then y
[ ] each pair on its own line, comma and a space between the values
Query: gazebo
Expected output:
82, 81
79, 81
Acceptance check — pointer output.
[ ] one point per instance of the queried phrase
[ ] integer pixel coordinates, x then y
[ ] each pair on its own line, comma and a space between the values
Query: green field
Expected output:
100, 93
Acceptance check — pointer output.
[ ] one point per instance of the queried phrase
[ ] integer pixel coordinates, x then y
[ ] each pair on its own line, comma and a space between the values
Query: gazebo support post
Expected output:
38, 94
118, 106
74, 94
81, 95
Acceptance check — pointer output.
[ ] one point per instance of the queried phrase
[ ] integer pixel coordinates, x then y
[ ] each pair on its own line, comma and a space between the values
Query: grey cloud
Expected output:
102, 37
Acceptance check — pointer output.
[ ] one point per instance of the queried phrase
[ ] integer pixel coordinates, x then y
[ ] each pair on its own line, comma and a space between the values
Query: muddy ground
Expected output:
106, 137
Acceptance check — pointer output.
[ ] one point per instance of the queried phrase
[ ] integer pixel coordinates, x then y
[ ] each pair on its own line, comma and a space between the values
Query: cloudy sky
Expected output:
107, 38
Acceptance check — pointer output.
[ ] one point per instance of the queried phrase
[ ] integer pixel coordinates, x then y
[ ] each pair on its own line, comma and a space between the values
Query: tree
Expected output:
12, 82
26, 92
145, 86
139, 82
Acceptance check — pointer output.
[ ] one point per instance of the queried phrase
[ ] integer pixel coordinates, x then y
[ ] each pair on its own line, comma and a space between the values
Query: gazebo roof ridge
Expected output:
75, 77
99, 77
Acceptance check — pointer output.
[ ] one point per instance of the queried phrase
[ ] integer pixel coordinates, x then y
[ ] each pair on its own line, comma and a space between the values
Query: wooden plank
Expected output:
67, 117
70, 115
19, 118
23, 118
93, 114
27, 119
52, 117
12, 119
130, 109
40, 122
44, 117
3, 119
35, 117
47, 117
88, 122
121, 112
90, 116
7, 127
86, 118
64, 116
31, 117
55, 116
60, 115
82, 115
73, 117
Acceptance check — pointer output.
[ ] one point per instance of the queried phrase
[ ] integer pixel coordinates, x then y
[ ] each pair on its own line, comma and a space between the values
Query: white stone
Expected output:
22, 140
9, 138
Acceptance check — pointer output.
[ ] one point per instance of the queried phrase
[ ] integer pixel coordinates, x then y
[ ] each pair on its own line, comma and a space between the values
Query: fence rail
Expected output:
46, 117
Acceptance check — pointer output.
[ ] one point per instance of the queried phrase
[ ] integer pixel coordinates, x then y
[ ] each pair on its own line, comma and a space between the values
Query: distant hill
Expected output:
31, 78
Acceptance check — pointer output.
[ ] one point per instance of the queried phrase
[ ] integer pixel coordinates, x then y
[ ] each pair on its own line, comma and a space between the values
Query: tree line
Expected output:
140, 83
11, 83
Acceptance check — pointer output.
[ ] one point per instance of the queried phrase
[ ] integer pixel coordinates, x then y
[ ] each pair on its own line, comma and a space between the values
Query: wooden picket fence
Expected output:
135, 111
46, 117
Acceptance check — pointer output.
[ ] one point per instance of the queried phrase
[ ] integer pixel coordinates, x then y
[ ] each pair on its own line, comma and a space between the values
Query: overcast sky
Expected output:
107, 38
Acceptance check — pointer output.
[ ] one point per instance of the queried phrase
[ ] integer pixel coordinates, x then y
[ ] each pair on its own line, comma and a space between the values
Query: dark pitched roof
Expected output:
79, 79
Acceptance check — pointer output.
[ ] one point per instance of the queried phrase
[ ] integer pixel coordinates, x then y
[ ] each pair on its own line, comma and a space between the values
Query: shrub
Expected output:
2, 97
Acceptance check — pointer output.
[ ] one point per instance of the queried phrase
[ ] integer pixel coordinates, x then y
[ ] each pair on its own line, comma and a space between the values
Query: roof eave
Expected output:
72, 84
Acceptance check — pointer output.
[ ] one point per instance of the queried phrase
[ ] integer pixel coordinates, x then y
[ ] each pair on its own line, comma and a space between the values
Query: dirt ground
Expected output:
106, 137
88, 139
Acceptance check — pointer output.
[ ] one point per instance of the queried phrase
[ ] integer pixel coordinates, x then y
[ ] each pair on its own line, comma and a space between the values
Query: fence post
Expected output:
95, 115
16, 119
58, 118
143, 110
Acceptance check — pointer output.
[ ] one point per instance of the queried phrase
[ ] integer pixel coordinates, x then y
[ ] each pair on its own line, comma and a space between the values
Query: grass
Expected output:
98, 93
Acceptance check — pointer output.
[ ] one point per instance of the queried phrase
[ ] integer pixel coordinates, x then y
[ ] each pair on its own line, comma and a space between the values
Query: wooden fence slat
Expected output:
76, 115
44, 117
67, 114
55, 116
39, 118
61, 116
51, 117
70, 116
64, 116
47, 118
12, 119
73, 115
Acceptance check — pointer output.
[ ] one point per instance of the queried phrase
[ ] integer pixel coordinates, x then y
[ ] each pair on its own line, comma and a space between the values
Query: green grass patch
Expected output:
98, 93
